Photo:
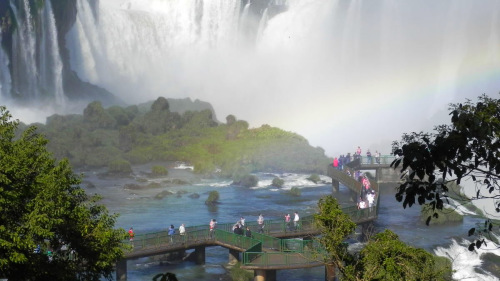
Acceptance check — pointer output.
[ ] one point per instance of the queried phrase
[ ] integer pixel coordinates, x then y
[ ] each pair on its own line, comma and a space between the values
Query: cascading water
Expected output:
36, 60
5, 81
50, 59
24, 72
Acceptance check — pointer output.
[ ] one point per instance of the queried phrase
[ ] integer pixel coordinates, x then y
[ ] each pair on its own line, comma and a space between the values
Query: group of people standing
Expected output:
344, 159
239, 227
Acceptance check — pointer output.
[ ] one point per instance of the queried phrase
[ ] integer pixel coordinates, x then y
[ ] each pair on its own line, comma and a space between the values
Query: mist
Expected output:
340, 73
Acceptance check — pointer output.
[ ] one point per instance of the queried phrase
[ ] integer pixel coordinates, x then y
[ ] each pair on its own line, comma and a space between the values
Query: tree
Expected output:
466, 150
335, 226
42, 206
385, 257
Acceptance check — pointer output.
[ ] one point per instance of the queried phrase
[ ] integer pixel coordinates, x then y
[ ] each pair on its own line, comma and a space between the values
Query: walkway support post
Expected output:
121, 270
264, 275
335, 186
234, 256
199, 255
329, 272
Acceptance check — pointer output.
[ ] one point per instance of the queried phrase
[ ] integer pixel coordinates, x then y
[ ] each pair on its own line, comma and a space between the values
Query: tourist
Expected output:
182, 230
260, 221
357, 155
361, 203
237, 230
131, 234
248, 233
242, 221
336, 163
370, 197
377, 156
369, 156
296, 220
212, 225
171, 232
287, 222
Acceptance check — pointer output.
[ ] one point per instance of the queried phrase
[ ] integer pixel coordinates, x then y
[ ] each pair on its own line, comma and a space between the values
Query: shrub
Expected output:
119, 166
295, 191
159, 171
247, 180
213, 197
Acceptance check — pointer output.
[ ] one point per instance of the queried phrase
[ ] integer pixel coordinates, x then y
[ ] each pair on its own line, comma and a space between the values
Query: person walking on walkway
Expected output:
212, 224
171, 232
287, 222
248, 232
260, 221
296, 220
131, 234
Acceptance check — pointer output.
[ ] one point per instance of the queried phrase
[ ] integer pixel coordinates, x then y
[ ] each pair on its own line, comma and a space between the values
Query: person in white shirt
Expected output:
182, 229
260, 221
296, 220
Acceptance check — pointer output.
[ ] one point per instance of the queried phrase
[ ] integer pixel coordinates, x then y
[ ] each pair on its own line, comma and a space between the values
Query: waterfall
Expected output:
5, 81
50, 59
149, 42
36, 60
24, 72
262, 24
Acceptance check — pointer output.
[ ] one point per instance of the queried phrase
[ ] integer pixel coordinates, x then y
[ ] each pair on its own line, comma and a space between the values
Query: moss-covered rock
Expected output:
163, 194
314, 178
213, 198
278, 182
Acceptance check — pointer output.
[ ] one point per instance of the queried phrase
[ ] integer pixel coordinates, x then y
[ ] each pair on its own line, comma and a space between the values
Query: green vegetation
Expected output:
103, 135
159, 171
278, 182
246, 180
42, 203
444, 215
466, 149
119, 167
295, 191
213, 198
384, 257
239, 274
314, 178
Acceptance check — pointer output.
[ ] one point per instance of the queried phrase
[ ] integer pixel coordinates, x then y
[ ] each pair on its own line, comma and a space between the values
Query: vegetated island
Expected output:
118, 137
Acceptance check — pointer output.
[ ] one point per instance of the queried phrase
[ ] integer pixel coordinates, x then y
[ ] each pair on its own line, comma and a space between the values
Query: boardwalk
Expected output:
276, 249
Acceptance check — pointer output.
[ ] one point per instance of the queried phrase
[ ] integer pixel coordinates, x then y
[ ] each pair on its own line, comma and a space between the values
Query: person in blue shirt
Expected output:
171, 232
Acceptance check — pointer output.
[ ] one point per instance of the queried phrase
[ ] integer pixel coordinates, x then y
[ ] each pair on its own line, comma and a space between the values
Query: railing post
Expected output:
121, 270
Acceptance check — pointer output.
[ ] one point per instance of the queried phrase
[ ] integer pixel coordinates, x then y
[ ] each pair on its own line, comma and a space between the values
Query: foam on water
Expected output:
466, 264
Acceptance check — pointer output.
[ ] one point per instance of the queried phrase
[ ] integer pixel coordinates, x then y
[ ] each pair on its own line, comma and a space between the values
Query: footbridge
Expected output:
281, 246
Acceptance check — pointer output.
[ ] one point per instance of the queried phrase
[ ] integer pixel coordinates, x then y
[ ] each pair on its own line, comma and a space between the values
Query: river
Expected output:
142, 211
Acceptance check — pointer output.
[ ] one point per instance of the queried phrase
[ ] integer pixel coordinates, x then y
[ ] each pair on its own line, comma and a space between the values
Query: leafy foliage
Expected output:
42, 204
159, 170
165, 277
467, 149
385, 257
295, 191
335, 226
